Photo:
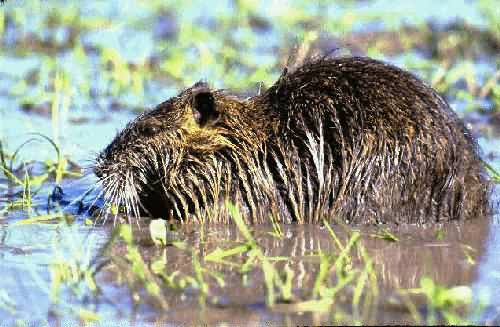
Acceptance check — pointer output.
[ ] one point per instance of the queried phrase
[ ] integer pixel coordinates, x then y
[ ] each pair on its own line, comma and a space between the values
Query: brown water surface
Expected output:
448, 254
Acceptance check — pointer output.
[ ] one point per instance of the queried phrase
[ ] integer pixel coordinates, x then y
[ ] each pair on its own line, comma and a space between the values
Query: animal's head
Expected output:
165, 161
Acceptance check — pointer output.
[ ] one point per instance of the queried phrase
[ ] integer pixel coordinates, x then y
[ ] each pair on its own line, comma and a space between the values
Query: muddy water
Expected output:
452, 260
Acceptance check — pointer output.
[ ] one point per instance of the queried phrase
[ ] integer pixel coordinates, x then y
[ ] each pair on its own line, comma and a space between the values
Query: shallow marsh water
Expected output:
449, 260
398, 265
56, 272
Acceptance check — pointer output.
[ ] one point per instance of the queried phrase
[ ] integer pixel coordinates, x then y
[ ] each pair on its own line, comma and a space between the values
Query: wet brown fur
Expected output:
349, 138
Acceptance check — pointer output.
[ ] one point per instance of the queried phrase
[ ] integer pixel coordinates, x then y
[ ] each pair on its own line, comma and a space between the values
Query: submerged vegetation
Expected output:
70, 72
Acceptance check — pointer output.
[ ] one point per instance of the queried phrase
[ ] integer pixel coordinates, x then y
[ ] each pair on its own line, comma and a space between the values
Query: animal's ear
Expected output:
203, 105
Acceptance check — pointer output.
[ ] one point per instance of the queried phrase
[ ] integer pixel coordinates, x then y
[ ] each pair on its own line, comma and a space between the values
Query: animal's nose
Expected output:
99, 172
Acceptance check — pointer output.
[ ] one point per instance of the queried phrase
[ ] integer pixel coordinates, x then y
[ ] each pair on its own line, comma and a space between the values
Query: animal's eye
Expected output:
150, 129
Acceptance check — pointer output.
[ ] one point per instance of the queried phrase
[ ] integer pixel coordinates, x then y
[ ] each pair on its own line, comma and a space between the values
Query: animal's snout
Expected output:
100, 172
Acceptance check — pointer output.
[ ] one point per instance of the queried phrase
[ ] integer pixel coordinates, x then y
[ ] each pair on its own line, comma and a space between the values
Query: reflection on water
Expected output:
398, 265
487, 284
450, 259
451, 254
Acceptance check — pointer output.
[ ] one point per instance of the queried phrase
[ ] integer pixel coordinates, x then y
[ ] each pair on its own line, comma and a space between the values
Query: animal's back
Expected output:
394, 151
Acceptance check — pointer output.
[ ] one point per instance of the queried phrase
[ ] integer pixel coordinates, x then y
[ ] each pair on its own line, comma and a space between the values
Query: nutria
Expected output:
350, 139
